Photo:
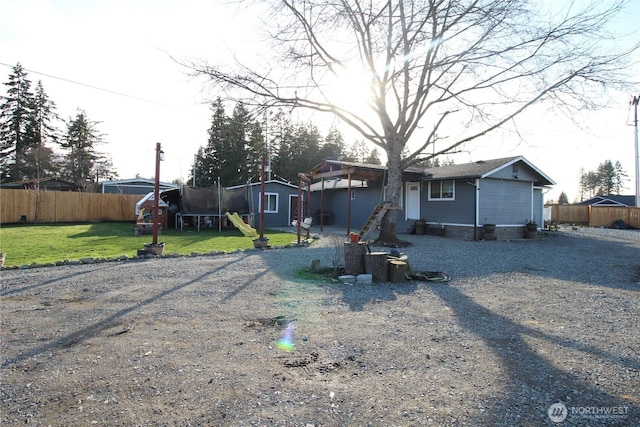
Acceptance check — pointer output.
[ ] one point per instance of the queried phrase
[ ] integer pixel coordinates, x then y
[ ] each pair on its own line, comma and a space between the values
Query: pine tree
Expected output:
210, 160
39, 159
606, 178
373, 158
333, 147
17, 130
563, 199
256, 149
236, 169
80, 141
621, 177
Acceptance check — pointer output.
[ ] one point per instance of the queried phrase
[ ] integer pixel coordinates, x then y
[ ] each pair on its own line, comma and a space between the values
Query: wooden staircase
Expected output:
374, 220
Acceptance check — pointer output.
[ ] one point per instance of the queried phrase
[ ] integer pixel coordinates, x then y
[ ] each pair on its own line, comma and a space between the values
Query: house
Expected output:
140, 186
461, 198
281, 201
611, 200
45, 184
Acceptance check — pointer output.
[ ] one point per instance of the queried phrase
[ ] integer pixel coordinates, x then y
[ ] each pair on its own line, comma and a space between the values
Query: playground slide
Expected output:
246, 229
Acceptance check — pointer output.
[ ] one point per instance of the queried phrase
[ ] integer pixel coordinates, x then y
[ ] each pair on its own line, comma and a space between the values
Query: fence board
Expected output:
66, 206
574, 214
595, 216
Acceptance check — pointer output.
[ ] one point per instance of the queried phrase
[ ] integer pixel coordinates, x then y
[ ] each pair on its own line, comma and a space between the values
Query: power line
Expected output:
113, 92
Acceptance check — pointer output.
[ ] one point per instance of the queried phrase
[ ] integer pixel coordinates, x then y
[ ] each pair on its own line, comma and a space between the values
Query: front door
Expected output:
293, 207
412, 210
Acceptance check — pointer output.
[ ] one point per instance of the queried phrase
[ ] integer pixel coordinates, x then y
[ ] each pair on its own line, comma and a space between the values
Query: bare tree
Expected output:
449, 71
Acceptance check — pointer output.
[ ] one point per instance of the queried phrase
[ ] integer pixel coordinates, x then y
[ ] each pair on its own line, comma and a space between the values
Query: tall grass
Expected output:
25, 244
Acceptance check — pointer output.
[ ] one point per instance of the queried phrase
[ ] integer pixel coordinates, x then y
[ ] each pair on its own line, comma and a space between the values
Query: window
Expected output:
442, 190
270, 202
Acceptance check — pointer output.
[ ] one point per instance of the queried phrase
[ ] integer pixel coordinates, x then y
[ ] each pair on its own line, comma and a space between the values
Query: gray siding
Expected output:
279, 218
506, 202
335, 201
525, 173
538, 207
458, 211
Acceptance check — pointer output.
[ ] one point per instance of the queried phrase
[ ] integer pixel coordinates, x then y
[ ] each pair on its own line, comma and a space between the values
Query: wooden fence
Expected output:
65, 206
595, 216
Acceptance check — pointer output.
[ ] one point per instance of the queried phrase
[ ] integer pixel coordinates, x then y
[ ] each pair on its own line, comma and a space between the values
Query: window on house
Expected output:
442, 190
270, 202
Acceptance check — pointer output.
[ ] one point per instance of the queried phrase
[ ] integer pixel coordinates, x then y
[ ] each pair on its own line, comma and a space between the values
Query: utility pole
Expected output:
634, 102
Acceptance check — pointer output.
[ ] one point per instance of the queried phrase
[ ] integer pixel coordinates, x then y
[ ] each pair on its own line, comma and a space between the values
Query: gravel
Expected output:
522, 325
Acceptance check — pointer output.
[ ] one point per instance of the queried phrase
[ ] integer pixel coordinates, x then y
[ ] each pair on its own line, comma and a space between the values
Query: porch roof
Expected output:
358, 171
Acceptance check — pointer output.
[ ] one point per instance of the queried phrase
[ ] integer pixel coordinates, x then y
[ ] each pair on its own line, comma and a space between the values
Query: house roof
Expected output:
358, 171
132, 182
481, 169
271, 181
610, 200
42, 183
337, 168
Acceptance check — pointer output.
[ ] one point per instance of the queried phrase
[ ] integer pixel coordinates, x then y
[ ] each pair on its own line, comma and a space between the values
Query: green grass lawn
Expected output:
25, 244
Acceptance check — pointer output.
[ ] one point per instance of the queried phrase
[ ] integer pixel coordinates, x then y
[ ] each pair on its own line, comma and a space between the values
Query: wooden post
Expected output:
375, 264
397, 271
354, 258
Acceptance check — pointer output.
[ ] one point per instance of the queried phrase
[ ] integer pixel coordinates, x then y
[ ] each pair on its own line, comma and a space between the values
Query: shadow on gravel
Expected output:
17, 290
94, 329
531, 375
357, 296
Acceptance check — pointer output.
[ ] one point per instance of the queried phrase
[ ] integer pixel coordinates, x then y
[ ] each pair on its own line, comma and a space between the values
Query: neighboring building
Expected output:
507, 192
281, 202
140, 186
45, 184
611, 200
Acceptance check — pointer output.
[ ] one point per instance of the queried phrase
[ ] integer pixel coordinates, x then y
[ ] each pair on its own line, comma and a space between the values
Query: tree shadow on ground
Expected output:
530, 374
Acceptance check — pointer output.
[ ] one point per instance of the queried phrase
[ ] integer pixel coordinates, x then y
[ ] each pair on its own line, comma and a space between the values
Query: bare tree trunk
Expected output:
389, 223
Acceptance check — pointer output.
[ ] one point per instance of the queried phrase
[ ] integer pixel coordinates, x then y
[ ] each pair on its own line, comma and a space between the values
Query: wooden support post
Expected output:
375, 264
354, 258
397, 271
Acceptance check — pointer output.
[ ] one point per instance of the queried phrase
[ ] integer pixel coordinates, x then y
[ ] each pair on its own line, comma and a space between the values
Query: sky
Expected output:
113, 59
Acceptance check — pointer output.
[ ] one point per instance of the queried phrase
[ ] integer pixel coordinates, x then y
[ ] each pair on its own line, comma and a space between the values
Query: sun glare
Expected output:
351, 90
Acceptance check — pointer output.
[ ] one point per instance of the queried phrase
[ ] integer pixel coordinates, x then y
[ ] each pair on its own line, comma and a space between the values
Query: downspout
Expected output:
476, 186
349, 206
321, 204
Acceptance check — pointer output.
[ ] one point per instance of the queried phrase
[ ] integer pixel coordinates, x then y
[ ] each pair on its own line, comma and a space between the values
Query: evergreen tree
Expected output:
256, 149
235, 146
43, 116
40, 160
606, 178
210, 160
621, 177
373, 158
563, 199
17, 130
80, 141
333, 147
360, 153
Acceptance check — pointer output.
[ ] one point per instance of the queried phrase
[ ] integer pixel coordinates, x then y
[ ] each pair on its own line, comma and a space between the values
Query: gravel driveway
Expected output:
527, 333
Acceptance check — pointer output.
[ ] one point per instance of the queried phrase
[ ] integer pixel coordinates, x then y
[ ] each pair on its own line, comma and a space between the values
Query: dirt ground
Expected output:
194, 340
